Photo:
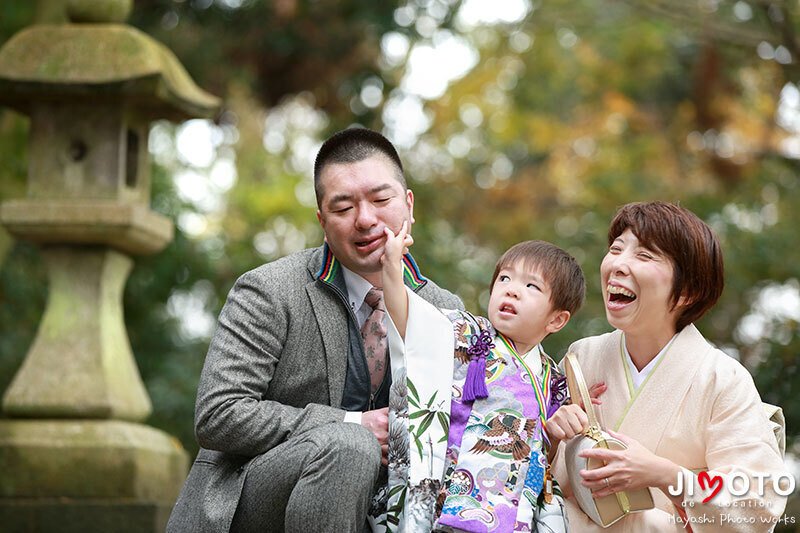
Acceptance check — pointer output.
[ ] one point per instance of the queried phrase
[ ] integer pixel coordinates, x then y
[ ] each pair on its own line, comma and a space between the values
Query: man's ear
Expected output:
321, 221
410, 203
557, 321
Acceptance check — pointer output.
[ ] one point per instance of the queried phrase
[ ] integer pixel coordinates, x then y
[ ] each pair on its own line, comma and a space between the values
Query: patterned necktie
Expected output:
374, 334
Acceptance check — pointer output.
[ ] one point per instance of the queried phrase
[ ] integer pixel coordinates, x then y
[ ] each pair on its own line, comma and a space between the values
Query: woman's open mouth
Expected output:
619, 297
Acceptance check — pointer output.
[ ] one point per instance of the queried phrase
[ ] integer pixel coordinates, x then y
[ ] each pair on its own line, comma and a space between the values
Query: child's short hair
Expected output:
557, 267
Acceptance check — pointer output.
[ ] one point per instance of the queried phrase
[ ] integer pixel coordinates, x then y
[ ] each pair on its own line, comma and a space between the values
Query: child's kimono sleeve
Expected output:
419, 416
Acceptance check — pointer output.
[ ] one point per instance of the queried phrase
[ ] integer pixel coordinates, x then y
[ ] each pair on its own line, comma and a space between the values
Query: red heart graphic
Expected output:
714, 483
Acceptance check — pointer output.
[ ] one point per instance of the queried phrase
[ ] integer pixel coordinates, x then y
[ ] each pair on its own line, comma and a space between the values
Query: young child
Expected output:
504, 387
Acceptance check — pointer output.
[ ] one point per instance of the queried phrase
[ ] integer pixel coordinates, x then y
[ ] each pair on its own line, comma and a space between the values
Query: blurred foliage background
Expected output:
517, 119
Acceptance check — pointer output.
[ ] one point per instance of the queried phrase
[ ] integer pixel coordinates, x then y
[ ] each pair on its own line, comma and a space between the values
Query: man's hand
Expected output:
377, 421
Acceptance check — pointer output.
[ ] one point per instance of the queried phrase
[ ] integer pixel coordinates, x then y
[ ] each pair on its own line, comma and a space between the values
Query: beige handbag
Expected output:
608, 509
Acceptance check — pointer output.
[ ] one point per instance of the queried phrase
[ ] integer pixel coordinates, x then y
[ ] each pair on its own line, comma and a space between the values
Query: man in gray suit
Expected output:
290, 417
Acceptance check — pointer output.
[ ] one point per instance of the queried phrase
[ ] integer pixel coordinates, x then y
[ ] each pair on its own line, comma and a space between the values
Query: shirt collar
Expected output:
330, 267
357, 287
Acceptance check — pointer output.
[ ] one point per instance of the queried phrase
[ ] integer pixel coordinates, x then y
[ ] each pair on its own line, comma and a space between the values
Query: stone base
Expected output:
83, 475
72, 516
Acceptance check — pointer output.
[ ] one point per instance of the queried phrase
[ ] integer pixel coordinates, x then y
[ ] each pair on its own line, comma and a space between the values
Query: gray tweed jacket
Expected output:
276, 367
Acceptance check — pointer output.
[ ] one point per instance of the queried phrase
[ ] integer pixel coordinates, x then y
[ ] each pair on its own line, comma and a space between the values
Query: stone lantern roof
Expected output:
91, 87
99, 61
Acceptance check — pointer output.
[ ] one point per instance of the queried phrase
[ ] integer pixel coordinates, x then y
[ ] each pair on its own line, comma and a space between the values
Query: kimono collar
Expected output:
331, 268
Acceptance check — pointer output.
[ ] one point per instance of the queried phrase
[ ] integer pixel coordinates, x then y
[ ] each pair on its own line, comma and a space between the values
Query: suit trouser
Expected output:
320, 481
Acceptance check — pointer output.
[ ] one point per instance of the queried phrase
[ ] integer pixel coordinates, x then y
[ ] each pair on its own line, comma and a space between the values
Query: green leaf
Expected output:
394, 490
426, 422
444, 421
430, 402
419, 445
417, 414
412, 390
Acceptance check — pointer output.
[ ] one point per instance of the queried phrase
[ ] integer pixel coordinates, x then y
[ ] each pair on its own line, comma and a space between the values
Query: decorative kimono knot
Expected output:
475, 383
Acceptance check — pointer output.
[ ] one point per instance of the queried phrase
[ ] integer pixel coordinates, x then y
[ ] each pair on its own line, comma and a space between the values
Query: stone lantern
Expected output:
74, 455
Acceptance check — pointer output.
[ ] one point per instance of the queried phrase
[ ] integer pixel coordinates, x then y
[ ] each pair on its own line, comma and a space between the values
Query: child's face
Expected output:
520, 308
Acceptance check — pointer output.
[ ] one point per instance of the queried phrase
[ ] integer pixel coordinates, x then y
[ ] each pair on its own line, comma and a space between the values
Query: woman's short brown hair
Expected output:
688, 242
557, 268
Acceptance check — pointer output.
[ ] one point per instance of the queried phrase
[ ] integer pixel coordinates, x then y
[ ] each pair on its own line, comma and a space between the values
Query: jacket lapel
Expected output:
331, 315
328, 312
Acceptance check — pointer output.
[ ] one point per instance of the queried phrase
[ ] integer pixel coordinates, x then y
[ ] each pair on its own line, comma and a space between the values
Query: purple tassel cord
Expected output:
475, 384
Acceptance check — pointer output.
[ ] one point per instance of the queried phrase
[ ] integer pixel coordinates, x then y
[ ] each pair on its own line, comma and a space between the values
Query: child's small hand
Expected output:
396, 245
568, 421
394, 292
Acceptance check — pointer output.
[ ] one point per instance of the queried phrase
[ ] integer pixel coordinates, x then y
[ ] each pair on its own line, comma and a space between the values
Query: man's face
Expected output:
358, 201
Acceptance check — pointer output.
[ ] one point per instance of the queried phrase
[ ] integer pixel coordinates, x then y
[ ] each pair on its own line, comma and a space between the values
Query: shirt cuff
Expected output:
353, 417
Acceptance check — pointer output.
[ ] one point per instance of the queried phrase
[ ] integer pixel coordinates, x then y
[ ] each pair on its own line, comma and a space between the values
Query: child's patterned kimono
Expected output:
488, 451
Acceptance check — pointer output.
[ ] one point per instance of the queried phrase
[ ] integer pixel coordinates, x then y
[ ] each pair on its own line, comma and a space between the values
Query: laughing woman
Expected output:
681, 405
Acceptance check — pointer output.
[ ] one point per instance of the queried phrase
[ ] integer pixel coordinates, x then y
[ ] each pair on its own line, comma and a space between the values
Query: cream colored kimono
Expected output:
698, 408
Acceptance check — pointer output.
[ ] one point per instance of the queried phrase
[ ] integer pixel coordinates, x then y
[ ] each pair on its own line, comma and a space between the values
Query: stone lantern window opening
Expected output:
77, 150
132, 159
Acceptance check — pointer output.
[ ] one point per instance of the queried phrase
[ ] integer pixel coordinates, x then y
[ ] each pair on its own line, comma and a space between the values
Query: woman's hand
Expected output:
570, 420
630, 469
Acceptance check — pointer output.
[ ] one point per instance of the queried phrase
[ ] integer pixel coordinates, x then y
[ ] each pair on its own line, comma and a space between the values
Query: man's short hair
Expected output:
353, 145
558, 269
689, 243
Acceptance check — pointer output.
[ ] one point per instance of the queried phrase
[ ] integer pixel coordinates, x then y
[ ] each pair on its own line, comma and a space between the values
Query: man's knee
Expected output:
351, 443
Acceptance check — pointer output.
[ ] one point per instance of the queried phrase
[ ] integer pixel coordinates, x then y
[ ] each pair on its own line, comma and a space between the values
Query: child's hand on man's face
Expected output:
396, 245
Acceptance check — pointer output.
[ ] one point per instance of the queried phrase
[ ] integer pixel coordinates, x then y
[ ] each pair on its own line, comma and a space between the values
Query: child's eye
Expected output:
615, 249
503, 277
533, 286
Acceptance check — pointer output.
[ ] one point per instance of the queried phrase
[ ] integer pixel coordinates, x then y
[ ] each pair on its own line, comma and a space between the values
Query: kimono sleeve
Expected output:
742, 451
425, 358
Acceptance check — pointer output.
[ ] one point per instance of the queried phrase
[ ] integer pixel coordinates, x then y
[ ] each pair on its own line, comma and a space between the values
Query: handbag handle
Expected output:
575, 381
